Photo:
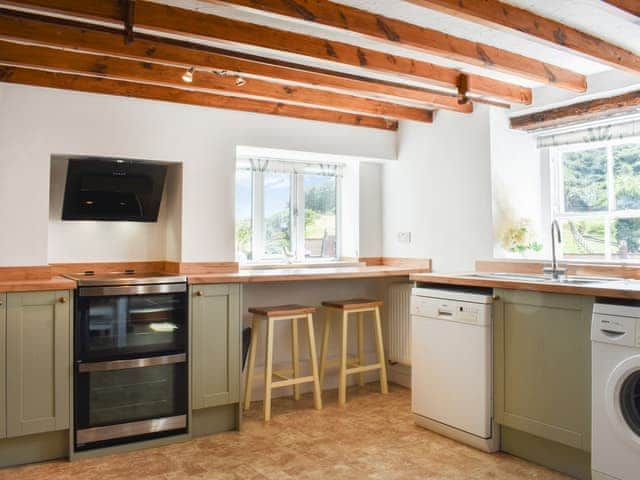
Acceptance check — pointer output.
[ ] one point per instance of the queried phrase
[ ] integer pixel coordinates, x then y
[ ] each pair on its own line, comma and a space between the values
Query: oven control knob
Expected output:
62, 299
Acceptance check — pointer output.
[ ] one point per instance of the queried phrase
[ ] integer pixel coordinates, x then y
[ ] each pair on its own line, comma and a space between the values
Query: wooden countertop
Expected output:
25, 279
52, 283
623, 288
298, 274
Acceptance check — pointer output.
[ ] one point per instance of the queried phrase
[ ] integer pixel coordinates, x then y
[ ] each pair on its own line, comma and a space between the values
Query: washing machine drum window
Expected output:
630, 401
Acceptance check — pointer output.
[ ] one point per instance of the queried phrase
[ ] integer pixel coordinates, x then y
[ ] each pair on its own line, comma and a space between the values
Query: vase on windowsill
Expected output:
518, 238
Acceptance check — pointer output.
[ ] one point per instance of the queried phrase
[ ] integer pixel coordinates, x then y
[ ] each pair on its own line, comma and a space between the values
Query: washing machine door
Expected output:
623, 399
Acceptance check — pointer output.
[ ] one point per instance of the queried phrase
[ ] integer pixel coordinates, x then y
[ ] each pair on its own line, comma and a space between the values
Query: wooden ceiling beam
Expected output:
629, 6
169, 19
43, 58
583, 111
108, 41
25, 76
397, 32
503, 15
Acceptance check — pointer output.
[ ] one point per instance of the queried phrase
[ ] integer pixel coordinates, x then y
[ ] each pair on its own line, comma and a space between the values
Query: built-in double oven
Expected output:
131, 359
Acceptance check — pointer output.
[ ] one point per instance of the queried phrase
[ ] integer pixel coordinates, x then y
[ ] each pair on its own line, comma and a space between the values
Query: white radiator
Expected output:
398, 324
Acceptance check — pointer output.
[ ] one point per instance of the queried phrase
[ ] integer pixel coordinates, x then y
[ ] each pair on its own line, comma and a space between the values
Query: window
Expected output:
597, 199
287, 211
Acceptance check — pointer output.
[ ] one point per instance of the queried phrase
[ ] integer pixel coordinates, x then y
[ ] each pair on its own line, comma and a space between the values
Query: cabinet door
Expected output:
38, 362
542, 367
215, 345
3, 366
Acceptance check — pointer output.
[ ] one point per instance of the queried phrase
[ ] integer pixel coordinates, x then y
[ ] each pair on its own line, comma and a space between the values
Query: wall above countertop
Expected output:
37, 122
439, 192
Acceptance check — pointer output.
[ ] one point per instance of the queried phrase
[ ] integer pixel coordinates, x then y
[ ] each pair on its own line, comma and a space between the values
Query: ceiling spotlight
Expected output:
188, 75
240, 82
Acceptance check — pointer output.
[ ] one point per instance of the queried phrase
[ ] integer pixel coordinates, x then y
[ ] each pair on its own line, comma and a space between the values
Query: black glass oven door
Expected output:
138, 398
127, 326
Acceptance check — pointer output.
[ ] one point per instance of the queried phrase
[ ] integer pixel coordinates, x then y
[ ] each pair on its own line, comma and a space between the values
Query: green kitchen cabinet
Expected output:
38, 362
215, 345
542, 372
3, 365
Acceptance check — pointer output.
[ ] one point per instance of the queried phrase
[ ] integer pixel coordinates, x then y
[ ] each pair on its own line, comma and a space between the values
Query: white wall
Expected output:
516, 174
36, 123
370, 210
440, 191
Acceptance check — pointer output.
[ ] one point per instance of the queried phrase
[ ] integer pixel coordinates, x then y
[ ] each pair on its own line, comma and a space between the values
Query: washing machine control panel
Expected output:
616, 330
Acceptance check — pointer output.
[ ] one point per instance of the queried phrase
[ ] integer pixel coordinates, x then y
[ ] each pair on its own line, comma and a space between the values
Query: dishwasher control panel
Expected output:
452, 310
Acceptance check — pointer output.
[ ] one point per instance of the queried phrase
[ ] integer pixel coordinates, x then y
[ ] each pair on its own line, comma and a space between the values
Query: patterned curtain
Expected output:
591, 134
258, 164
282, 166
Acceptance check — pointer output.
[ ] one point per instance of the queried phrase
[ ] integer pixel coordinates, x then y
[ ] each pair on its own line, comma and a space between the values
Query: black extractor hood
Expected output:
113, 190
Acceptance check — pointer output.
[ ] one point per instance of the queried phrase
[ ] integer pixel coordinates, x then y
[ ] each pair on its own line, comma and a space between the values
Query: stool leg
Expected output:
342, 386
295, 356
325, 343
317, 392
251, 361
383, 366
268, 370
361, 358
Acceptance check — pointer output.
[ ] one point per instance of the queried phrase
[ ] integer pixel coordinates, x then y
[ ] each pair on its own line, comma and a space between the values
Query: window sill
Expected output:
316, 264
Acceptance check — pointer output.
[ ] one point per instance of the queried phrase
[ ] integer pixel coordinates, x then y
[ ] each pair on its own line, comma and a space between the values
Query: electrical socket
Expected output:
404, 237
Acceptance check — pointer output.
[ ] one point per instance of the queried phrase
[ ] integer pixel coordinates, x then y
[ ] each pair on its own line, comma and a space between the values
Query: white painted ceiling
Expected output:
592, 16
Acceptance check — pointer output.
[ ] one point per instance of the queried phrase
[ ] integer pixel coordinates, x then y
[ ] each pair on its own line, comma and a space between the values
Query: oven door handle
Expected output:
134, 363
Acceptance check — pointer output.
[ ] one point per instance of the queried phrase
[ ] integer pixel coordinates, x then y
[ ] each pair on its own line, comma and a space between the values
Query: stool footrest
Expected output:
282, 375
291, 381
364, 368
351, 361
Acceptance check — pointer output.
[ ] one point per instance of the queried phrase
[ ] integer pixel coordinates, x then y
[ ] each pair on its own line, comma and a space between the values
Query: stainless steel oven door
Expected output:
116, 322
126, 400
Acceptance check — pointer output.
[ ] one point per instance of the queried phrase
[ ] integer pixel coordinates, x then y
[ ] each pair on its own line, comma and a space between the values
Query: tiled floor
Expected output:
373, 437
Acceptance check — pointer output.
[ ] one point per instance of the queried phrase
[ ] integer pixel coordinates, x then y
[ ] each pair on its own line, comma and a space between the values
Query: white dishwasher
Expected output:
451, 364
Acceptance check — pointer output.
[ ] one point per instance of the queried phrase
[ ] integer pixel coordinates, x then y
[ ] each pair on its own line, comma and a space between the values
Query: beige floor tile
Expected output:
372, 438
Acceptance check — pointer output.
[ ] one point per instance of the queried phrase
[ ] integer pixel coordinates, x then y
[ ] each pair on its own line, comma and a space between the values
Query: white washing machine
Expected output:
615, 424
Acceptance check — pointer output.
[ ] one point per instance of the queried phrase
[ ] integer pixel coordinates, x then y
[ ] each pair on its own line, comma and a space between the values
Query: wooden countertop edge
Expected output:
41, 285
381, 271
349, 272
596, 290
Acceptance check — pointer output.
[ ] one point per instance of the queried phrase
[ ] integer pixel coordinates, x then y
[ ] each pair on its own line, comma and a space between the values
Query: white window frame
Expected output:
557, 188
297, 222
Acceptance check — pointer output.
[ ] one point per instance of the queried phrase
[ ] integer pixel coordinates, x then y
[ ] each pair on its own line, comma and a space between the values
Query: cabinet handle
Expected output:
62, 299
199, 293
496, 298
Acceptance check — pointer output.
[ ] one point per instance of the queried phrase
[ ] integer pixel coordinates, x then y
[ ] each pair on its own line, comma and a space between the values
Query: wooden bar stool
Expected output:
349, 366
272, 314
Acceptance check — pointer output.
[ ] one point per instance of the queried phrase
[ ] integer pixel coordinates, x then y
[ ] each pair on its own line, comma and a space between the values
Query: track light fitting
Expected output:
188, 75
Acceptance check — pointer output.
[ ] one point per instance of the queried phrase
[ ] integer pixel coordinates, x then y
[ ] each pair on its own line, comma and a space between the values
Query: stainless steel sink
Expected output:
569, 280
